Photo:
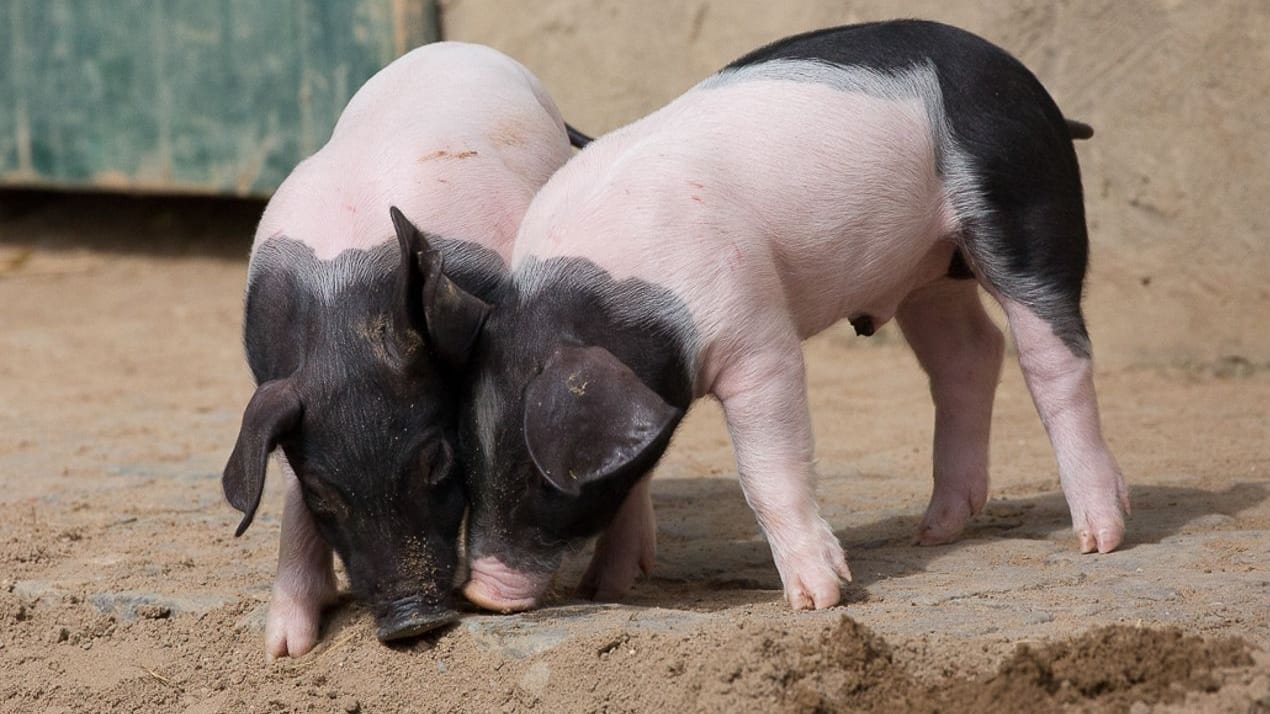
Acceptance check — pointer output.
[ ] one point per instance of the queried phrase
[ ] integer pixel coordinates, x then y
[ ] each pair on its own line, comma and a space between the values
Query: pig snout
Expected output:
410, 616
493, 585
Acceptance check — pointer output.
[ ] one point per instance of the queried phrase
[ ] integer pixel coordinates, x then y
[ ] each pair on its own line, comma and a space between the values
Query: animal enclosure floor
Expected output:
122, 587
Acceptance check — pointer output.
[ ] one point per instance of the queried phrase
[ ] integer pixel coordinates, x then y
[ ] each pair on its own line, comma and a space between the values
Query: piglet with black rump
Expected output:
866, 173
354, 337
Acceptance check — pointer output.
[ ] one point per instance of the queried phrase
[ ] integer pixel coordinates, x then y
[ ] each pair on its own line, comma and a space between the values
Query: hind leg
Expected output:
1059, 374
961, 350
1015, 187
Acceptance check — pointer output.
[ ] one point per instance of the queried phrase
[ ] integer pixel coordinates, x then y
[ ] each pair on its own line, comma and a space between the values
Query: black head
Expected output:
356, 360
558, 430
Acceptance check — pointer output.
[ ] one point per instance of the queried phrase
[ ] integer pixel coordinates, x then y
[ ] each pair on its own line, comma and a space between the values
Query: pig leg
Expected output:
1061, 380
1024, 236
961, 351
627, 548
305, 582
764, 398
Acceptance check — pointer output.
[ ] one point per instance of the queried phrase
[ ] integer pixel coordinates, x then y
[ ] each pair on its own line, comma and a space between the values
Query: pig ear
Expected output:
588, 418
433, 304
274, 410
454, 316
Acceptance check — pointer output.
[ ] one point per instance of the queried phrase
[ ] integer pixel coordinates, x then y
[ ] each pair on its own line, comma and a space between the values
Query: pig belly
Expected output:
874, 298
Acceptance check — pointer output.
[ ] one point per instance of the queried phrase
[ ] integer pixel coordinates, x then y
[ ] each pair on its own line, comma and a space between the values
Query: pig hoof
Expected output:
1104, 540
943, 522
1098, 510
600, 592
815, 591
931, 535
815, 582
613, 570
1101, 534
608, 581
292, 627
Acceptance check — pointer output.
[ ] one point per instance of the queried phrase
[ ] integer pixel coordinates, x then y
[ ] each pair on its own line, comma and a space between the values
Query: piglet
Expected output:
354, 337
865, 173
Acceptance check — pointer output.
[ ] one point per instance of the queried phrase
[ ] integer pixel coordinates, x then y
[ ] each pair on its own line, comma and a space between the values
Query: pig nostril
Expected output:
410, 617
489, 598
494, 586
415, 626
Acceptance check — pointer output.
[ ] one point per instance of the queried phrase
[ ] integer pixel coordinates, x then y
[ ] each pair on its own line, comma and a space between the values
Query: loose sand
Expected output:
122, 588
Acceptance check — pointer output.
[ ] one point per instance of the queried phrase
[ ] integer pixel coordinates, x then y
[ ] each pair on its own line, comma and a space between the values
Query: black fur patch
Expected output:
375, 449
1031, 243
515, 514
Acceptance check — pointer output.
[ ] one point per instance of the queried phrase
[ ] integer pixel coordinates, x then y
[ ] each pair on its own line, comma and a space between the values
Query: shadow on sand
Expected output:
161, 226
705, 563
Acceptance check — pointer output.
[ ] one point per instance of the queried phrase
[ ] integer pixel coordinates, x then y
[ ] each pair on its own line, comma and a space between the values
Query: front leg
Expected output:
305, 582
627, 548
764, 397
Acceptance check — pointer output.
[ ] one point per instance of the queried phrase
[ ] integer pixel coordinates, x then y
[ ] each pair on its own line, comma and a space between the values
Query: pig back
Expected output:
458, 136
758, 195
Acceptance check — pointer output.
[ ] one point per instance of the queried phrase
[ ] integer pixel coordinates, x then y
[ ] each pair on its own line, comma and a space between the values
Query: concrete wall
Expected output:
1177, 178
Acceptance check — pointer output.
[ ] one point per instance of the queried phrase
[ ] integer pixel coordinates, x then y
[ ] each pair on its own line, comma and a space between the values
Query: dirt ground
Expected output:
122, 587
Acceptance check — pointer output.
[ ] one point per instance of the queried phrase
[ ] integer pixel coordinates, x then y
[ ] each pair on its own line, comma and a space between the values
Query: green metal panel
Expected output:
203, 96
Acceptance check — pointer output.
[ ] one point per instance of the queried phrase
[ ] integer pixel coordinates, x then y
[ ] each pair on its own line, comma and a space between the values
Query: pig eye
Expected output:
437, 461
318, 504
324, 500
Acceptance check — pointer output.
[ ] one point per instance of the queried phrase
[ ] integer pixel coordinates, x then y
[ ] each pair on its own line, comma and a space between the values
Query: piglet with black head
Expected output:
859, 173
356, 340
360, 404
571, 403
356, 394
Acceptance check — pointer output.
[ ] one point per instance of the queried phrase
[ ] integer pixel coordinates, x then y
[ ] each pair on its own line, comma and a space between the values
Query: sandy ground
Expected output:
122, 587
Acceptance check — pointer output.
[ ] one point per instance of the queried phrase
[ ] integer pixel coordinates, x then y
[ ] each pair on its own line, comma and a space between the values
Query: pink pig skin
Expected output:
458, 136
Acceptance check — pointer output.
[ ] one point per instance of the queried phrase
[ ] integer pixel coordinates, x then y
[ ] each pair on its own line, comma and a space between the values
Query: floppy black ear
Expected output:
454, 316
431, 303
273, 411
588, 417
